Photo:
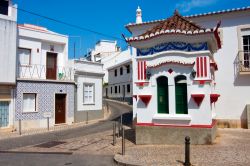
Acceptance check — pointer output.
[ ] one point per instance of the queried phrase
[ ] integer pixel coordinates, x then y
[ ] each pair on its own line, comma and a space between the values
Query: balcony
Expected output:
243, 62
43, 72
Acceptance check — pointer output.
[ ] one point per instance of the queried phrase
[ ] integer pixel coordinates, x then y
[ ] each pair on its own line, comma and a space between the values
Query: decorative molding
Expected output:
170, 62
141, 83
145, 98
214, 98
198, 98
181, 46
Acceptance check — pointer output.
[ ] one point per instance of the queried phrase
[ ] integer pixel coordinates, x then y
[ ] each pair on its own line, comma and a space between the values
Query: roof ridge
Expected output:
175, 22
223, 11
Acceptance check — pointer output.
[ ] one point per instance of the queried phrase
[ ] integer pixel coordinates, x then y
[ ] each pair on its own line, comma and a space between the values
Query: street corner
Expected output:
127, 160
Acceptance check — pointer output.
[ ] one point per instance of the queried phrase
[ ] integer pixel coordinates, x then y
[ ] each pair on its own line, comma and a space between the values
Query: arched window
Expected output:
162, 95
181, 94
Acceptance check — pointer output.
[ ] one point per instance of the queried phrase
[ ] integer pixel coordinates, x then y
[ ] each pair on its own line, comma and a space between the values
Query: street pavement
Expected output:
9, 159
70, 134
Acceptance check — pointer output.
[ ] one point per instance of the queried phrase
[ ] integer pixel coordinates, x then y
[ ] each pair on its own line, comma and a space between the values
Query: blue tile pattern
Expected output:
45, 98
180, 46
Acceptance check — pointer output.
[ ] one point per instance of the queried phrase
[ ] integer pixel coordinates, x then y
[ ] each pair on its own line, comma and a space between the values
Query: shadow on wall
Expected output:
242, 80
243, 117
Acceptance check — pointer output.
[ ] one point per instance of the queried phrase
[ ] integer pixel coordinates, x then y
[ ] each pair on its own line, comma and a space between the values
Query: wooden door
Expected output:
60, 108
51, 66
162, 95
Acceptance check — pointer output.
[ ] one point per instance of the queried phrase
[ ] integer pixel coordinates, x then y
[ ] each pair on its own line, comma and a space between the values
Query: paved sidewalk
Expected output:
232, 147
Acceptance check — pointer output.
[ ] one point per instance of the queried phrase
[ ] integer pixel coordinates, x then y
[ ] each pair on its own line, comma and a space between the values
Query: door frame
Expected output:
66, 108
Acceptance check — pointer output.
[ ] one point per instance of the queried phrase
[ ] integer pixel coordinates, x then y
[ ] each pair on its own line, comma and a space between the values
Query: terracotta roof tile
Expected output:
176, 22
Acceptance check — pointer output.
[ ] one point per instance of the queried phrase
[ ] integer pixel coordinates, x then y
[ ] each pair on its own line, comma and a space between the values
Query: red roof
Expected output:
176, 22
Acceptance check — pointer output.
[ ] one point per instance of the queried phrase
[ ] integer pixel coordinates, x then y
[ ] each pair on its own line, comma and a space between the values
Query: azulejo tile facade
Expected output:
45, 98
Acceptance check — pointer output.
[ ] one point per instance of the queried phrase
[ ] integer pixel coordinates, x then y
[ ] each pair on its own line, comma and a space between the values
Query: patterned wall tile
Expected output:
45, 98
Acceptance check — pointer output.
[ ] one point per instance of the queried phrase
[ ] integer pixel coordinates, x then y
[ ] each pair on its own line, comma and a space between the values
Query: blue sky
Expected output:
109, 16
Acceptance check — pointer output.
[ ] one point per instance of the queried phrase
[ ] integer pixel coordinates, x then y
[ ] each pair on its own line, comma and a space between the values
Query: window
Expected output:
119, 89
128, 88
29, 102
121, 71
24, 55
111, 90
115, 89
88, 93
4, 7
115, 72
246, 49
128, 69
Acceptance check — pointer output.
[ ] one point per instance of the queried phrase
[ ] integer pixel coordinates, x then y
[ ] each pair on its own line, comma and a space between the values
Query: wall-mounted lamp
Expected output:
148, 74
52, 48
193, 73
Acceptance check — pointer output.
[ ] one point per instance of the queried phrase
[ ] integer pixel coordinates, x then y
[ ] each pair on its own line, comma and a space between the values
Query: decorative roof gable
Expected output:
174, 23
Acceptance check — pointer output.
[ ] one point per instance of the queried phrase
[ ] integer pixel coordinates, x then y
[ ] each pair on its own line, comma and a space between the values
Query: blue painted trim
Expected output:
179, 46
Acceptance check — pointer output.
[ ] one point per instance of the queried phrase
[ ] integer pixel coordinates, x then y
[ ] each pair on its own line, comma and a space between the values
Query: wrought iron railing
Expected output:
243, 62
36, 71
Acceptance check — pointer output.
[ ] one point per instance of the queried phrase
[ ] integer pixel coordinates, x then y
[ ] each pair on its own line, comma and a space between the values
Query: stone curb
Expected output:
34, 152
116, 159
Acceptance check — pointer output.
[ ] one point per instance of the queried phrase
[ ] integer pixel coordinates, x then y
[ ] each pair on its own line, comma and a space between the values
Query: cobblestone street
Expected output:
231, 148
95, 148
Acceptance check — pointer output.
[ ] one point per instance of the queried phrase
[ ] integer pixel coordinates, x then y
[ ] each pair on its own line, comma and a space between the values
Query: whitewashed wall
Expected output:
90, 73
234, 89
201, 115
8, 40
39, 42
8, 49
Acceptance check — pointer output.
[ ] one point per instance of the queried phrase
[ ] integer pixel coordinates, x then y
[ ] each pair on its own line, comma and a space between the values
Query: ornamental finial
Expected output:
138, 15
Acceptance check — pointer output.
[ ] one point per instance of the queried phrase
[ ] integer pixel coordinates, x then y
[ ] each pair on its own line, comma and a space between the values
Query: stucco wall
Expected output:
97, 82
233, 87
197, 115
8, 42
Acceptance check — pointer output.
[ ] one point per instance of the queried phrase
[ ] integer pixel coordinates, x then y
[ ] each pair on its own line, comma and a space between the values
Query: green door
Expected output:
181, 95
162, 95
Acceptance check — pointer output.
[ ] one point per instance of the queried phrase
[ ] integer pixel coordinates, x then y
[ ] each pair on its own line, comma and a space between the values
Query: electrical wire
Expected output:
69, 24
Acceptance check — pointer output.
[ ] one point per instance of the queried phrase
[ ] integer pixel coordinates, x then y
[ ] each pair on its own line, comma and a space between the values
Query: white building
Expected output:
232, 77
173, 80
45, 83
119, 76
88, 99
103, 48
117, 66
8, 29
